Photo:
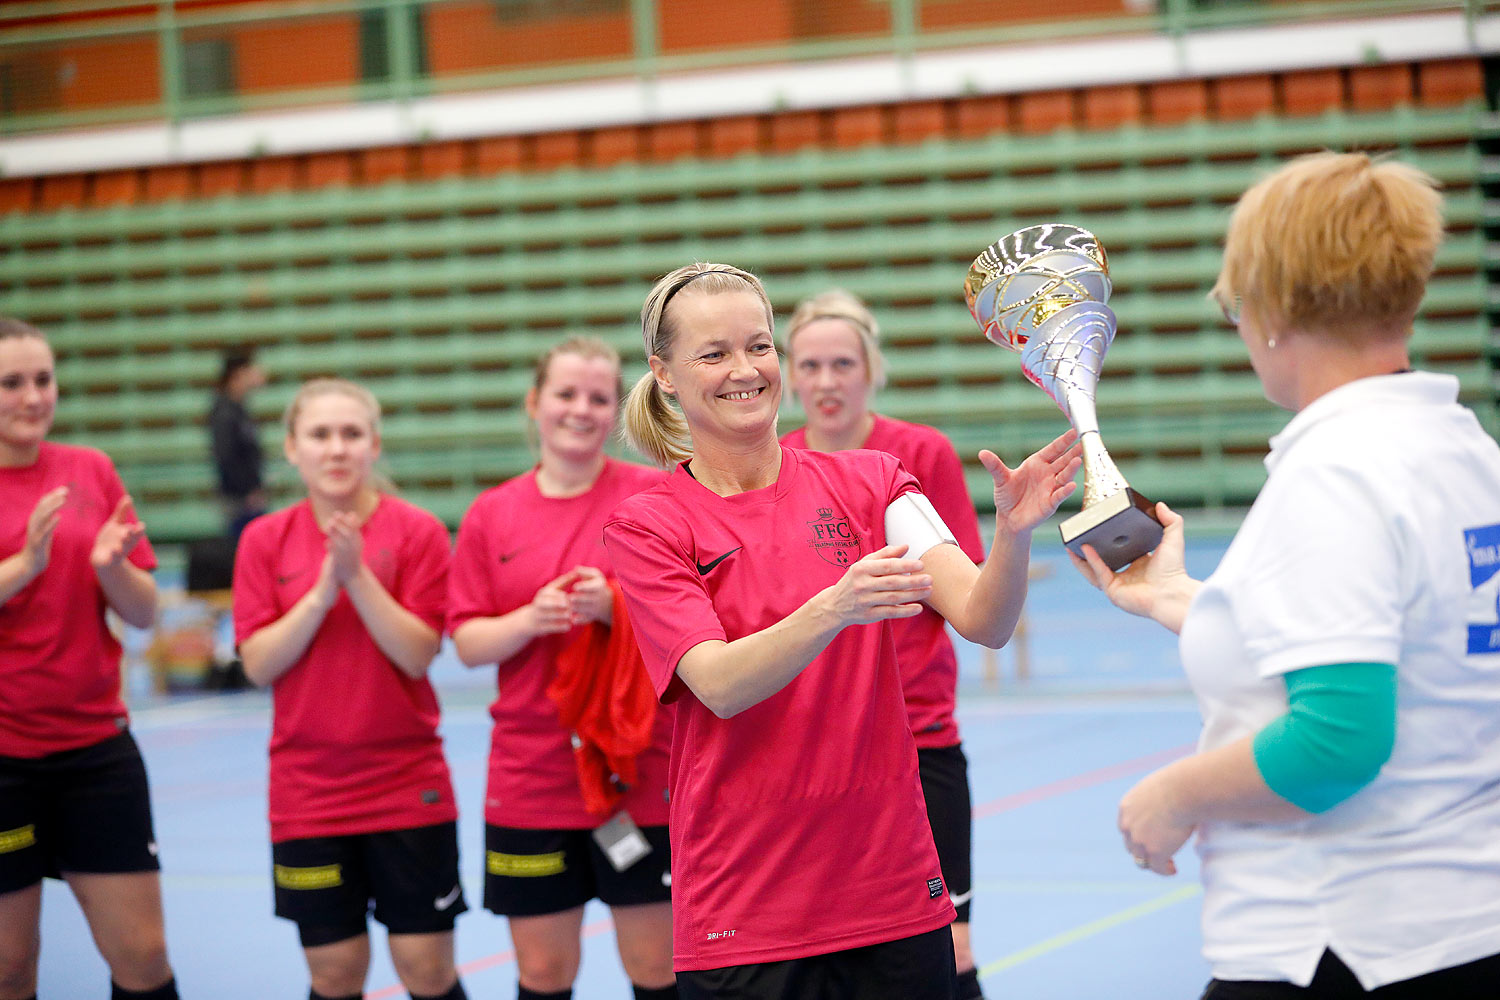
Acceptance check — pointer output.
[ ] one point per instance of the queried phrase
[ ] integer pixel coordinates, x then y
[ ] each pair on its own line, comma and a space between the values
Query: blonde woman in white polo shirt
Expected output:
1346, 652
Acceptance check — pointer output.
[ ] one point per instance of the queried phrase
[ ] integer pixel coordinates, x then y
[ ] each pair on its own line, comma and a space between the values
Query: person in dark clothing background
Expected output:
237, 453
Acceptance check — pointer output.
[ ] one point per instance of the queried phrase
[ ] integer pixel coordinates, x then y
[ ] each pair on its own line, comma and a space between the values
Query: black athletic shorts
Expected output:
529, 873
86, 810
914, 968
950, 813
1477, 980
409, 878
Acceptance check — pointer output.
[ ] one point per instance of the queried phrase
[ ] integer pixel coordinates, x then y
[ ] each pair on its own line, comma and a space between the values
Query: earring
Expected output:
1270, 343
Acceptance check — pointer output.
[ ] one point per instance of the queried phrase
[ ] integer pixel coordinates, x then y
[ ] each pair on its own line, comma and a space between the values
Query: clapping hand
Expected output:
117, 537
551, 608
591, 599
345, 546
1029, 494
41, 526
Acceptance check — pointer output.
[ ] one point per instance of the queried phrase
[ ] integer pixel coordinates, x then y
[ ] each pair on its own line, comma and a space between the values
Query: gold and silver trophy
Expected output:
1042, 292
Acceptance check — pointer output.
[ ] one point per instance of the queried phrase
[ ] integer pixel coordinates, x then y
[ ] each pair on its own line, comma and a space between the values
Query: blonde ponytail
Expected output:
653, 426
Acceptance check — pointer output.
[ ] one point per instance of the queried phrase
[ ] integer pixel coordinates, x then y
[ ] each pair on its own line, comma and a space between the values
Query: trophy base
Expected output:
1122, 527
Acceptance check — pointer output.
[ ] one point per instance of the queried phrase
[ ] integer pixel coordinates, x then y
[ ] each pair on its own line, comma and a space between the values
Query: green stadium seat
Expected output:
441, 295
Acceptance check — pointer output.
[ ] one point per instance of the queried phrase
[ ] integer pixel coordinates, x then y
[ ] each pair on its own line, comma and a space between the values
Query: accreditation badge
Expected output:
622, 841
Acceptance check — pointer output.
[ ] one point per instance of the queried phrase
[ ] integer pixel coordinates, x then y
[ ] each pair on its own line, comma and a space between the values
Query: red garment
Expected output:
512, 541
604, 698
798, 825
59, 663
929, 666
354, 741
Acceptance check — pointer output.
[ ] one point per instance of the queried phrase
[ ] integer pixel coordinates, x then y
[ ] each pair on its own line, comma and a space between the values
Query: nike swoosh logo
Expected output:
443, 902
704, 570
506, 557
285, 578
962, 898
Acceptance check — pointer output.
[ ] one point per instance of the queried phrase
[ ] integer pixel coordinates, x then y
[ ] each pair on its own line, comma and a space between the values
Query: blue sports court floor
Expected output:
1060, 911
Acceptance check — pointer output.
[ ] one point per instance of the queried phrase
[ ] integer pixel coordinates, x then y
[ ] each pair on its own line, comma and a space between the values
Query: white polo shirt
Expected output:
1375, 539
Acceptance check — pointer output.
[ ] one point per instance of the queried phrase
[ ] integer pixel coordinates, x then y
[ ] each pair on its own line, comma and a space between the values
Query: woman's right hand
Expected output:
40, 528
551, 611
345, 546
1154, 586
881, 585
327, 586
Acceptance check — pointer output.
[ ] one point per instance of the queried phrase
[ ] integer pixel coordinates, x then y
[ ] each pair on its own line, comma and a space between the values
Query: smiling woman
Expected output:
728, 383
74, 802
344, 592
531, 587
760, 581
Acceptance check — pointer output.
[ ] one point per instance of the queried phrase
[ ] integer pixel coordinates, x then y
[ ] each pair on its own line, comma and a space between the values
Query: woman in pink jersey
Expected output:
759, 580
338, 604
529, 571
74, 802
832, 345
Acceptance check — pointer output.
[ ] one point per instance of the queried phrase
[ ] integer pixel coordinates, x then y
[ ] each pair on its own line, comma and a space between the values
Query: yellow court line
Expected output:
1077, 934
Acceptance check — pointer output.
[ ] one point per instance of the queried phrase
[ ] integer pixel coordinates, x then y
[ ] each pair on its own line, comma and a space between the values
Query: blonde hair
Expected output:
1336, 243
839, 304
652, 425
17, 328
583, 347
313, 388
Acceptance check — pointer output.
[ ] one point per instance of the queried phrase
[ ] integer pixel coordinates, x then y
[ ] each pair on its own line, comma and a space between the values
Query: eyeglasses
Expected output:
1232, 310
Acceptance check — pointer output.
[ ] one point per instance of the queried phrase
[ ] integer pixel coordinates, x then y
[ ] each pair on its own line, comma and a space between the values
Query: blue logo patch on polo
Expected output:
1483, 547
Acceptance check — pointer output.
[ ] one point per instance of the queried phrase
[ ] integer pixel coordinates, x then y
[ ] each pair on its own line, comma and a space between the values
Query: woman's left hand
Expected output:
590, 598
1029, 494
345, 546
118, 536
1149, 823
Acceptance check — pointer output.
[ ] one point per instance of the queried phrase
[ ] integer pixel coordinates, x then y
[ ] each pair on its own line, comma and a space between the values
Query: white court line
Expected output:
1088, 930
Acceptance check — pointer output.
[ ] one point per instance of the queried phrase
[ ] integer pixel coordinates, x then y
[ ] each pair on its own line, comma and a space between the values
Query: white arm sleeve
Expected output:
911, 520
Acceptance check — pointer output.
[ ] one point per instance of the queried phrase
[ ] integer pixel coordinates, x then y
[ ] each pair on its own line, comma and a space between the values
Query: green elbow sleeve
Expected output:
1336, 735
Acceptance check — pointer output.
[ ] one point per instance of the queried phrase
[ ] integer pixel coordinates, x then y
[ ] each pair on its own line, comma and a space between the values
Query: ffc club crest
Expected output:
833, 538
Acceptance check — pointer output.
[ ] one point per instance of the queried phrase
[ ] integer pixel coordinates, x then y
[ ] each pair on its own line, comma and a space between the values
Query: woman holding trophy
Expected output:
833, 355
1346, 651
759, 580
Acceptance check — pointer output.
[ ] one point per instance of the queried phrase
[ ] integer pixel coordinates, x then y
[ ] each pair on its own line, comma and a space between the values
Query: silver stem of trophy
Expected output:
1100, 476
1064, 356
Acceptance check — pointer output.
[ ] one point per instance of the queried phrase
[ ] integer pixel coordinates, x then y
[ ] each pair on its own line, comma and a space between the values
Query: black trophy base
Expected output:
1121, 528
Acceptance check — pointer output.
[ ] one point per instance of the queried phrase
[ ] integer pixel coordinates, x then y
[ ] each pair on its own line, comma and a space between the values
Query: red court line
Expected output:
1088, 779
488, 962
